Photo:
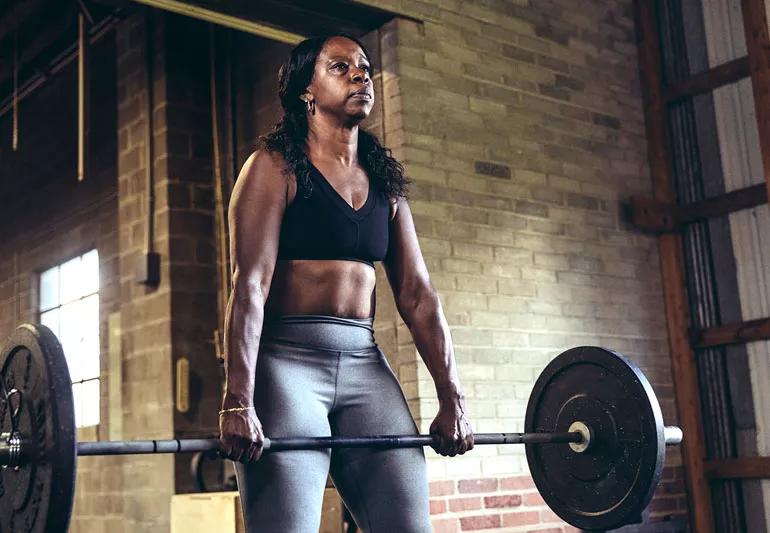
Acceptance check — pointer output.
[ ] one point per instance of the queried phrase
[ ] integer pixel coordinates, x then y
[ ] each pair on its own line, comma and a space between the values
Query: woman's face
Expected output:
341, 84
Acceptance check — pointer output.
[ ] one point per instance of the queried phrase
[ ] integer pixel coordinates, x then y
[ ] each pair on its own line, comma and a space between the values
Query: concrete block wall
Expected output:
49, 218
192, 250
148, 481
178, 318
521, 125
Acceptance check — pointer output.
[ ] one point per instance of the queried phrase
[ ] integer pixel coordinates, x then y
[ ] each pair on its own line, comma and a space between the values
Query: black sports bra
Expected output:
325, 226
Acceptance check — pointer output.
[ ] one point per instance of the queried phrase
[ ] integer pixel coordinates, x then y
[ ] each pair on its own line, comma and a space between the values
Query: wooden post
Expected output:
672, 272
757, 48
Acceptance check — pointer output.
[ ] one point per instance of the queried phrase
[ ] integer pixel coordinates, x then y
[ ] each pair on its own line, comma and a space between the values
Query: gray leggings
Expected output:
321, 375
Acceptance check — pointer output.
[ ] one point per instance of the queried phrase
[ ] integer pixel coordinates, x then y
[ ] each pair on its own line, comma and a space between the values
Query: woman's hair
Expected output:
290, 132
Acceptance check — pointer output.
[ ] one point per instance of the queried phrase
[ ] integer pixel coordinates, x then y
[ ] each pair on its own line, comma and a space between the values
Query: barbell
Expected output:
594, 437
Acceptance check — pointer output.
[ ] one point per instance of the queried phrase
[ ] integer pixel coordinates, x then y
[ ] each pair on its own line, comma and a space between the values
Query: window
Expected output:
69, 305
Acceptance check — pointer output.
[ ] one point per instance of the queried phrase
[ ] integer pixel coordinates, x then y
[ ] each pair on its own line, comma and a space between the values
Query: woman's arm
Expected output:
255, 214
418, 304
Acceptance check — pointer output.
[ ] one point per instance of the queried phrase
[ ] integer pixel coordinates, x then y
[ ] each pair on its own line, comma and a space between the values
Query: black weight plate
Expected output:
38, 496
611, 483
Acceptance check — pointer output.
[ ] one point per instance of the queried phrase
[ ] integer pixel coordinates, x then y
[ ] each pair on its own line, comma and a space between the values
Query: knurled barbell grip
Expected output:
409, 441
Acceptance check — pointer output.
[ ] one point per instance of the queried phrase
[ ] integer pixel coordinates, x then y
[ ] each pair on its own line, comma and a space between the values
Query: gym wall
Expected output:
49, 218
522, 128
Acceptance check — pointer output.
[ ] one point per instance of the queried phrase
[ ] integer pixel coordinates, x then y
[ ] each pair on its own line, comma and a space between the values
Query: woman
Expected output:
312, 209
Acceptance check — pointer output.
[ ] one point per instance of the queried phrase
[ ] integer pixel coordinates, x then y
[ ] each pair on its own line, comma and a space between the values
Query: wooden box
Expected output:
221, 512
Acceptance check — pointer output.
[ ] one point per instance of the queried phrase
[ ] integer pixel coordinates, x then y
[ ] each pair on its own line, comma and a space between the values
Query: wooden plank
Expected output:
741, 468
751, 330
707, 80
221, 512
657, 216
672, 272
757, 46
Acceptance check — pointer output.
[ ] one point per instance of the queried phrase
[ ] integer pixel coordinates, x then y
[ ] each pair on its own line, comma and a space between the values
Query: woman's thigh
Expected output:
283, 491
386, 490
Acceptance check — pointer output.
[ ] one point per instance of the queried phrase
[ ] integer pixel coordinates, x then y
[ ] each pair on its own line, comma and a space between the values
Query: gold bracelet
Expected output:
235, 409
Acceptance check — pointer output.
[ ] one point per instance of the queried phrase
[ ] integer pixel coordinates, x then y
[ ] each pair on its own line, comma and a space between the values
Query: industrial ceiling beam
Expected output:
222, 19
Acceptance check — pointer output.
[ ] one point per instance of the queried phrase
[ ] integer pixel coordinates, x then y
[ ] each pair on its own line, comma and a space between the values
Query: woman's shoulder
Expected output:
265, 162
263, 175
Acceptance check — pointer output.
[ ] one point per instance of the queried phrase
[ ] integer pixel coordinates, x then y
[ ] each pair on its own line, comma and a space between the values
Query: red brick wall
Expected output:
513, 503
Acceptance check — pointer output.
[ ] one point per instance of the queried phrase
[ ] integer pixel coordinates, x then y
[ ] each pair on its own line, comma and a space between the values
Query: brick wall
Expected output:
521, 124
177, 319
506, 502
148, 481
48, 218
522, 128
192, 249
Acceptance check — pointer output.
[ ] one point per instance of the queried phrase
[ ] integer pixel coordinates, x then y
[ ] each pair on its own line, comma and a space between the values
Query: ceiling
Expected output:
43, 29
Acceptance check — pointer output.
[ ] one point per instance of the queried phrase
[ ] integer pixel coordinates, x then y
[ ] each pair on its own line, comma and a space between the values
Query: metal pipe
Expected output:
149, 134
220, 210
15, 93
70, 54
84, 92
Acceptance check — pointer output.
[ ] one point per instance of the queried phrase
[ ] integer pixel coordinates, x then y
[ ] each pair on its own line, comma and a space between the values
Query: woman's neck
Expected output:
337, 143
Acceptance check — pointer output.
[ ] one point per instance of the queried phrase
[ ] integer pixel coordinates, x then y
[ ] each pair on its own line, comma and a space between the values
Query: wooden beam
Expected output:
217, 17
742, 468
707, 80
723, 204
757, 47
649, 214
672, 271
751, 330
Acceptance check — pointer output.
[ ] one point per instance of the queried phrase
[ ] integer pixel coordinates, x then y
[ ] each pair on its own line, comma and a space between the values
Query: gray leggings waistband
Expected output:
323, 332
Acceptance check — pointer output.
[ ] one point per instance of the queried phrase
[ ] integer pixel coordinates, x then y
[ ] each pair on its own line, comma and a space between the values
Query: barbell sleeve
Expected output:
673, 435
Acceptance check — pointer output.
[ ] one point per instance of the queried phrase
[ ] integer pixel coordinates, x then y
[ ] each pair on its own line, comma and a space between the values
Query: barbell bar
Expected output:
594, 437
13, 453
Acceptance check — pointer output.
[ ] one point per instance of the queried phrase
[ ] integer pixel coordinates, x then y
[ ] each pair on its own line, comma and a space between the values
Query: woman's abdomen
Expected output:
324, 287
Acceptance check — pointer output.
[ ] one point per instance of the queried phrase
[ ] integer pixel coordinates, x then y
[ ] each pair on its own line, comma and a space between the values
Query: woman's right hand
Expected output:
240, 435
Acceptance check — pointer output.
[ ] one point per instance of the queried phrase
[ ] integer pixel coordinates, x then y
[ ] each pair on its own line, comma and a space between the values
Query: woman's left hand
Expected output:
451, 430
